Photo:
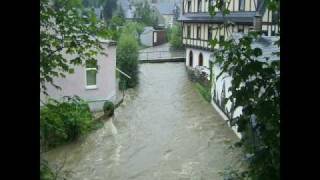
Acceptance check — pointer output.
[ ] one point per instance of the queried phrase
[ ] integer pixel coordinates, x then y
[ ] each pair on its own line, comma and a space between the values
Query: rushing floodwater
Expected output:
164, 130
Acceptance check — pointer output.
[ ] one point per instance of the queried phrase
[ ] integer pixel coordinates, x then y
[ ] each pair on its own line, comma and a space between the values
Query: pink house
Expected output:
91, 84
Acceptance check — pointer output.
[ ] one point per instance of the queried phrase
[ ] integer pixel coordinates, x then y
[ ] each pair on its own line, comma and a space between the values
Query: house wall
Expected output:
196, 53
147, 38
217, 84
75, 84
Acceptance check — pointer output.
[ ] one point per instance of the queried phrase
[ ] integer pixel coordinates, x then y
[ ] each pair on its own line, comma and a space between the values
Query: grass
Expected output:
204, 92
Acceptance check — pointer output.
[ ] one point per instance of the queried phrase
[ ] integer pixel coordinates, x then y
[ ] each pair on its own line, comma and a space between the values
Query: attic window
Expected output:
199, 5
189, 6
242, 5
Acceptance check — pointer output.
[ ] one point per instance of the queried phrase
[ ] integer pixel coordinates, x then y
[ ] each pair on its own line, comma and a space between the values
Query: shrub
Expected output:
64, 121
45, 171
108, 108
176, 37
127, 60
204, 91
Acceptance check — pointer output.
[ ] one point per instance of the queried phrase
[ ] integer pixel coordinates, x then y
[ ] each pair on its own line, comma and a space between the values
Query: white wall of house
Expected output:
76, 83
146, 38
196, 53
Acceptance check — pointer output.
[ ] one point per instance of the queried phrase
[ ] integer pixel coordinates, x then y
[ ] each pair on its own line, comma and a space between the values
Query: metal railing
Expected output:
164, 54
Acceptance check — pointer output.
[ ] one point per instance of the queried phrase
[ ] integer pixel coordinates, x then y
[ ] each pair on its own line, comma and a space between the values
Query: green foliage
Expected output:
45, 171
114, 27
146, 14
255, 88
204, 91
127, 59
66, 29
259, 97
109, 7
64, 121
108, 108
176, 37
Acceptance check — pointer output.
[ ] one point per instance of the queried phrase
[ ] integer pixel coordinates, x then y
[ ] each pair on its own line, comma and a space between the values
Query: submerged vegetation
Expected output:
62, 122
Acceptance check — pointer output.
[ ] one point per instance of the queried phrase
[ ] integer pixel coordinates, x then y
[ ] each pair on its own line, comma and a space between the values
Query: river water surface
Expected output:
164, 130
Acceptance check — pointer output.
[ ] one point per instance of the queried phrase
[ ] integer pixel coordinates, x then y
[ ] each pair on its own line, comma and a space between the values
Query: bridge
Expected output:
161, 53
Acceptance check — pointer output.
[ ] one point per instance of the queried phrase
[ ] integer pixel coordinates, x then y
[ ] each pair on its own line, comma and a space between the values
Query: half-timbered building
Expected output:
199, 27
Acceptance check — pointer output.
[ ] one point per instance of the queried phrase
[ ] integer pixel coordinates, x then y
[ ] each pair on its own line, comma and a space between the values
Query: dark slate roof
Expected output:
245, 17
266, 44
238, 17
165, 8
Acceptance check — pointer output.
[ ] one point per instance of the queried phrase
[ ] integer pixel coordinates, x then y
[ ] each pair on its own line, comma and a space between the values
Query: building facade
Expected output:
199, 27
89, 83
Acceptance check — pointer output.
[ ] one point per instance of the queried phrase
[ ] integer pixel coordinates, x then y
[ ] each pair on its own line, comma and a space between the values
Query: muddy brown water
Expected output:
164, 130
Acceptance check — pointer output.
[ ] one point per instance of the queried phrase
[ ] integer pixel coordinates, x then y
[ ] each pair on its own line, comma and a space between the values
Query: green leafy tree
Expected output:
114, 26
109, 7
176, 37
146, 14
66, 30
255, 88
127, 59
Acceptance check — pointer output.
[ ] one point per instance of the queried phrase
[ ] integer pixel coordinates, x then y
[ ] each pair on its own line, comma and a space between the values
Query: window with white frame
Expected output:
91, 75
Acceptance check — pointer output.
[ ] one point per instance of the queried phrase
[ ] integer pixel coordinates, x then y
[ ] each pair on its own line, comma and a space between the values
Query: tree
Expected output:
146, 14
176, 37
108, 8
66, 30
255, 88
127, 59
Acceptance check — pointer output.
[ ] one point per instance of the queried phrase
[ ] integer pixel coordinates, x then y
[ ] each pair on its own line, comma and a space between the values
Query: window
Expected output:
200, 60
190, 58
189, 6
188, 31
209, 33
240, 28
264, 32
221, 38
241, 5
199, 32
199, 5
91, 76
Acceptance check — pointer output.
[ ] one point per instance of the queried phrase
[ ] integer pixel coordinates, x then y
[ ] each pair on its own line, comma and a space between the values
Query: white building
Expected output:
199, 27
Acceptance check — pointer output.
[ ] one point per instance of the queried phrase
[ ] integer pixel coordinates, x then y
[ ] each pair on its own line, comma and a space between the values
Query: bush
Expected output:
176, 37
45, 171
108, 108
62, 122
204, 91
127, 60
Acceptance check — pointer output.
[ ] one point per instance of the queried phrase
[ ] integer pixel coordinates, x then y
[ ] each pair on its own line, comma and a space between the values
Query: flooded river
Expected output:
164, 130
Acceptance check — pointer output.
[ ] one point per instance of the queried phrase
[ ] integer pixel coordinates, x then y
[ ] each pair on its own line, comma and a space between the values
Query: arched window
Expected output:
190, 59
200, 60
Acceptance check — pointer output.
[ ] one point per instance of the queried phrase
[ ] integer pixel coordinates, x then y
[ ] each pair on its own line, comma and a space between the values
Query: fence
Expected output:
155, 55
